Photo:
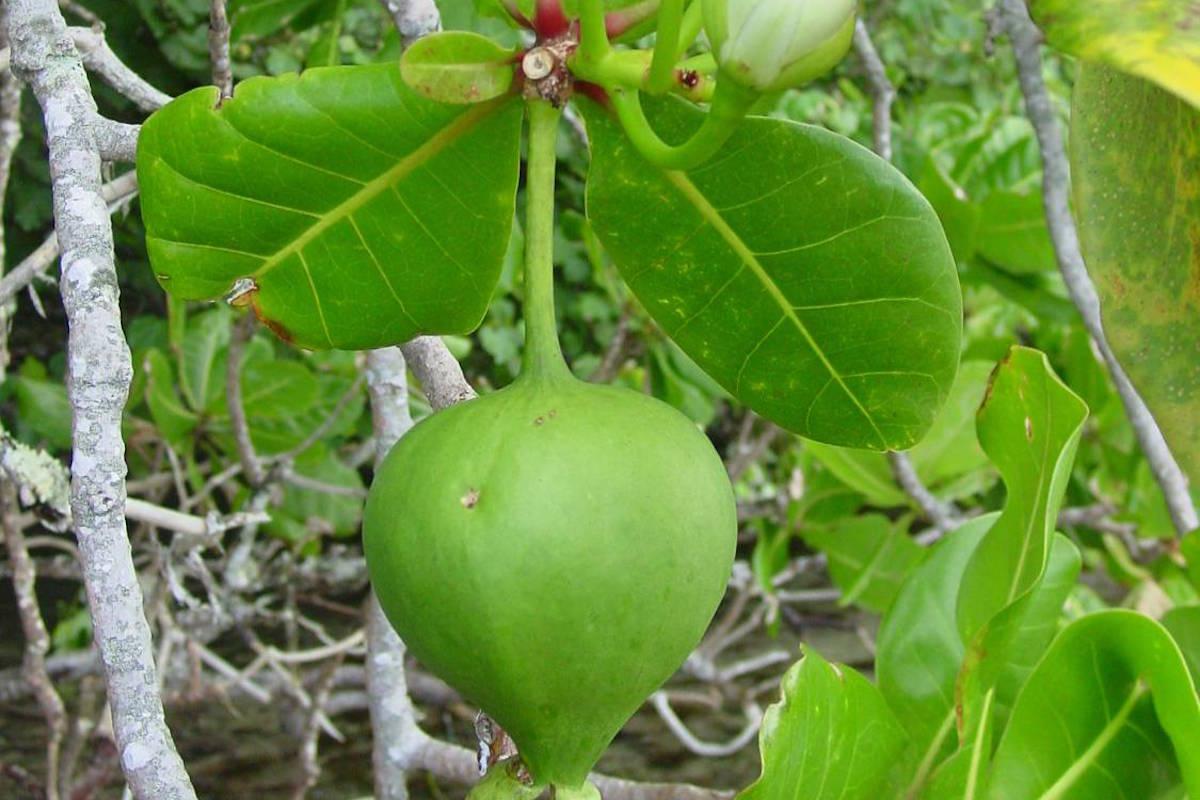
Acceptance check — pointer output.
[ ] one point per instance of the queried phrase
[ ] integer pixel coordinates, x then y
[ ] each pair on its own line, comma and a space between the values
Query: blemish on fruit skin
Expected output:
470, 499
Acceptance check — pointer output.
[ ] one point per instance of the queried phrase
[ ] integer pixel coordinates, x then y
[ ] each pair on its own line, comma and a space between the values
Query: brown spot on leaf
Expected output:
470, 499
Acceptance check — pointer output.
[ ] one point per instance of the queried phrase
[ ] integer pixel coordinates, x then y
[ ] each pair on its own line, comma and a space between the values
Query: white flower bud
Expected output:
771, 45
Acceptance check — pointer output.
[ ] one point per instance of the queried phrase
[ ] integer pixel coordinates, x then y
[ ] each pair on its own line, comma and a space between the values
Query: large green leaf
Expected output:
1110, 711
362, 213
1156, 39
1029, 426
832, 737
785, 267
1135, 157
1184, 626
919, 649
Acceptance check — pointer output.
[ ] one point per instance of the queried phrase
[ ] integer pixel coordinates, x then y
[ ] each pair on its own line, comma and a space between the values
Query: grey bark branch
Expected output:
882, 91
1026, 44
943, 516
393, 716
99, 374
413, 18
10, 137
218, 48
117, 141
252, 466
440, 374
99, 58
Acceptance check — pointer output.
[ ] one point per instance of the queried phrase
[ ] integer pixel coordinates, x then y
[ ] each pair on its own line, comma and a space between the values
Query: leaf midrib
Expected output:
709, 212
1102, 740
370, 190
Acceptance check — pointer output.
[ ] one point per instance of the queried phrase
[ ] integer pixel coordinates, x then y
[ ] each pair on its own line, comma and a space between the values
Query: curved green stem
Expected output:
729, 106
593, 33
630, 68
666, 46
693, 22
543, 356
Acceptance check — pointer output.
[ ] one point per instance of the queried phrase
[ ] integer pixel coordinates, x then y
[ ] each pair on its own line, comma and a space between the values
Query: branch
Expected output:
218, 48
1026, 43
413, 18
945, 517
10, 137
252, 467
440, 374
117, 141
99, 369
882, 91
99, 58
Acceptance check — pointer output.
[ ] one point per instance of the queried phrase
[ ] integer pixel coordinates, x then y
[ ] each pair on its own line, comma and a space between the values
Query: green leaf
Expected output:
362, 213
1156, 39
784, 267
267, 17
1183, 623
458, 67
1029, 426
919, 649
202, 358
307, 513
174, 419
832, 736
1012, 233
948, 460
1110, 711
1135, 158
43, 413
326, 50
869, 559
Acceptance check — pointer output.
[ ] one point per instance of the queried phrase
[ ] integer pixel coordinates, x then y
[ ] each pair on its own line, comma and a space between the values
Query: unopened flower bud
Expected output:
771, 45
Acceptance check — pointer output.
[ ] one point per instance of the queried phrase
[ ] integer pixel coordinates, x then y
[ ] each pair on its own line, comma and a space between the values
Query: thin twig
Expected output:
37, 640
10, 136
883, 94
218, 48
252, 467
1026, 44
115, 194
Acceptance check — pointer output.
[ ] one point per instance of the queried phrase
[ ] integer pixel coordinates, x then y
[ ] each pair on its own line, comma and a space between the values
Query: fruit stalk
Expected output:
543, 356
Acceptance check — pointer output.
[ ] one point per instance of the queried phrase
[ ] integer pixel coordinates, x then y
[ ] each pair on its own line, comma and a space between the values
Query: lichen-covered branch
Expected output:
393, 717
218, 47
439, 372
99, 58
413, 18
99, 374
1026, 44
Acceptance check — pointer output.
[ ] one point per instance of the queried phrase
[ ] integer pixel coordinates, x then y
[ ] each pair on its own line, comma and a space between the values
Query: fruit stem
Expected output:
543, 356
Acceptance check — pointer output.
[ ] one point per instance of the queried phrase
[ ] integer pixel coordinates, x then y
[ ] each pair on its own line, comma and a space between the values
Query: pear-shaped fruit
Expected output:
553, 551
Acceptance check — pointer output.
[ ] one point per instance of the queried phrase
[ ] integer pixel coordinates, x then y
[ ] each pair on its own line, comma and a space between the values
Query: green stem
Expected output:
693, 22
666, 46
543, 356
730, 104
630, 69
593, 32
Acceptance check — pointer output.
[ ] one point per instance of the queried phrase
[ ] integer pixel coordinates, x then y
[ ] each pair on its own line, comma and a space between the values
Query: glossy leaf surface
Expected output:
1110, 711
361, 212
832, 737
1135, 157
1156, 39
919, 651
1029, 426
802, 272
458, 67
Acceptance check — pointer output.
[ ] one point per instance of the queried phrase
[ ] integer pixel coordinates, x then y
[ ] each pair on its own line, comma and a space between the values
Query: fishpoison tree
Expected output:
556, 550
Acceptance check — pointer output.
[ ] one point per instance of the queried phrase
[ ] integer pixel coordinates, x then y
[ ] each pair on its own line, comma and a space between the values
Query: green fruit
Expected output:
554, 551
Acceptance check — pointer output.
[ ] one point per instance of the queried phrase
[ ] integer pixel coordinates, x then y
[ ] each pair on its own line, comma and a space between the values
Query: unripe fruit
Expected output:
772, 45
554, 551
